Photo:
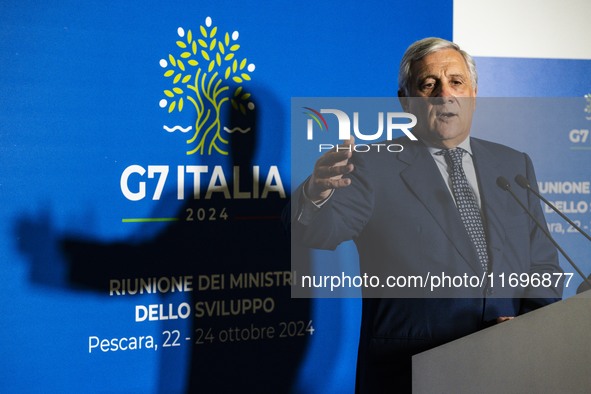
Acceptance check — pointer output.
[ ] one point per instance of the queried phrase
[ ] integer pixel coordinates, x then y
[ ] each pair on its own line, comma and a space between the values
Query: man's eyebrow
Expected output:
421, 78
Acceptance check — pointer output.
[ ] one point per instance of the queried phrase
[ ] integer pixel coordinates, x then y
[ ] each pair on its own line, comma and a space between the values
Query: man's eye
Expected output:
428, 85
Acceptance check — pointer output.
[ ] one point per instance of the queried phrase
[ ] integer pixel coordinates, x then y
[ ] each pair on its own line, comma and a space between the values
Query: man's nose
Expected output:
444, 92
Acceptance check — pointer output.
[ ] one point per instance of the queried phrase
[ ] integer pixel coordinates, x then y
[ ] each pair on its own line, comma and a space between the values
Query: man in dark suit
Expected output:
434, 207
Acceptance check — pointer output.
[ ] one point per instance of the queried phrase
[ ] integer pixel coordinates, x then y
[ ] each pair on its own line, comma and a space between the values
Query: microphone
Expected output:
524, 183
505, 185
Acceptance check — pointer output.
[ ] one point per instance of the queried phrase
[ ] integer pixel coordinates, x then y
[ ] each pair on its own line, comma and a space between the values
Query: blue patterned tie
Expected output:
466, 203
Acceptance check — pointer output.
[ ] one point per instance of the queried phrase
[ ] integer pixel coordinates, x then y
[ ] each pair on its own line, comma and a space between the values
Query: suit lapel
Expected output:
423, 178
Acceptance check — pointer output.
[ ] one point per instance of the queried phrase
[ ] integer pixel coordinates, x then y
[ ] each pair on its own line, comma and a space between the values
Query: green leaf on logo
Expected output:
205, 82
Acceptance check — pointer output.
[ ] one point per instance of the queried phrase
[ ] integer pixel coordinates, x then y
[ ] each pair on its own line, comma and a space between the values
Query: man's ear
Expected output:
403, 100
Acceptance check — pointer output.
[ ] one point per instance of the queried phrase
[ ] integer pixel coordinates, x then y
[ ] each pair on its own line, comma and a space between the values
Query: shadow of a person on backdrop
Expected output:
249, 334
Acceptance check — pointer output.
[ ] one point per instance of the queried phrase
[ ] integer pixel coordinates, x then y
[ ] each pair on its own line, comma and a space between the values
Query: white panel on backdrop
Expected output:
523, 28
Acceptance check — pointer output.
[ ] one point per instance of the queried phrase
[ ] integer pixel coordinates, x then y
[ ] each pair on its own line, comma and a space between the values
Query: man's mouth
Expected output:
445, 115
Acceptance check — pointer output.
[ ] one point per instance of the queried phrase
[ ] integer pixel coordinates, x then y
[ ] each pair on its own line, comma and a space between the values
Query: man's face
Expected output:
442, 97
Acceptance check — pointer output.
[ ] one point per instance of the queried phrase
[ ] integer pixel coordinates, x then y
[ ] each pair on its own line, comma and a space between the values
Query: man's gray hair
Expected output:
422, 48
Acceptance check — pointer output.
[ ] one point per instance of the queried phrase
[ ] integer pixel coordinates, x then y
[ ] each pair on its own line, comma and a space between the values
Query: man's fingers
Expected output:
340, 153
332, 171
332, 158
350, 141
328, 184
326, 179
329, 170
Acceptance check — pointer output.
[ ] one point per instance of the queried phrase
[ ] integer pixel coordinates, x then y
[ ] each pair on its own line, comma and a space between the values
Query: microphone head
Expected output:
503, 183
522, 181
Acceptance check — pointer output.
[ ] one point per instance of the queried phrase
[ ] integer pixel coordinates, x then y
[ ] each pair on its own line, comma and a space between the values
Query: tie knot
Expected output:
454, 156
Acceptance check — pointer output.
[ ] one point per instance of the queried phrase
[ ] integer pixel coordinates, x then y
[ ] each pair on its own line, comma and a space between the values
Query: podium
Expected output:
544, 351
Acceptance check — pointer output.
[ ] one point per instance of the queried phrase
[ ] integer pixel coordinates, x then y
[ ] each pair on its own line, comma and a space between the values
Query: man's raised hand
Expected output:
328, 172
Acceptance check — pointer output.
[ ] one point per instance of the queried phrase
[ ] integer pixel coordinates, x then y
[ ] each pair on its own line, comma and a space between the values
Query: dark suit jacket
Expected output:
403, 220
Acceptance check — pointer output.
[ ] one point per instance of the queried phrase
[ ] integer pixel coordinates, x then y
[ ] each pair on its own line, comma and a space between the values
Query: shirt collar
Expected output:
465, 145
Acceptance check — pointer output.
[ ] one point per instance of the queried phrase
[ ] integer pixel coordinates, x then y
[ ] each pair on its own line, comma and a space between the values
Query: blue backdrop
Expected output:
82, 89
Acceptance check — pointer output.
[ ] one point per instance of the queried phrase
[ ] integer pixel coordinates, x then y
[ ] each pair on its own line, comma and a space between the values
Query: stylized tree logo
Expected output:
201, 75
